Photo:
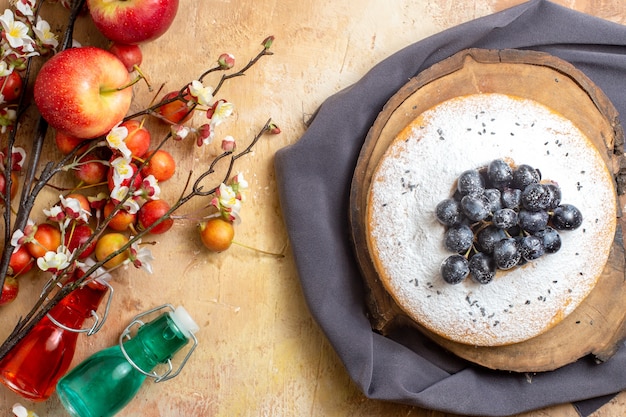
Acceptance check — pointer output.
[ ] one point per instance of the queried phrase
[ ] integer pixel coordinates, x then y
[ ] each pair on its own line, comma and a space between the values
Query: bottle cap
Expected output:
184, 321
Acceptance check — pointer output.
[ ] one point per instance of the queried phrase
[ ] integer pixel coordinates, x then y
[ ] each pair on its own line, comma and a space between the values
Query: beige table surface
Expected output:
260, 353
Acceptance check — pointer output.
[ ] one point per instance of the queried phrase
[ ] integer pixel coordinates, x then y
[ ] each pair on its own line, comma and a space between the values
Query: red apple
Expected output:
9, 290
130, 55
132, 21
83, 91
152, 211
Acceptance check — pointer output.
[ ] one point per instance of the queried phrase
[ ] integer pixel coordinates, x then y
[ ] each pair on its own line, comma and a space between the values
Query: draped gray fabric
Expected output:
314, 176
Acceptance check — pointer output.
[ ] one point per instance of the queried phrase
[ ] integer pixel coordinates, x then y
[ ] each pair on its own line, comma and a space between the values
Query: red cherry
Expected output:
66, 143
9, 290
3, 185
109, 243
121, 220
21, 261
161, 164
152, 211
138, 139
48, 238
217, 234
91, 170
177, 111
77, 236
130, 55
11, 86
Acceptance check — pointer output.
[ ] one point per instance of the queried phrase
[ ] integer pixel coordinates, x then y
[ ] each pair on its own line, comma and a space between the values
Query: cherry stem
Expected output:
140, 72
280, 254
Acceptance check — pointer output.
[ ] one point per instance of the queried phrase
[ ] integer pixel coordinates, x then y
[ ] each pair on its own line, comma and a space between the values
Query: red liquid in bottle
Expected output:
33, 367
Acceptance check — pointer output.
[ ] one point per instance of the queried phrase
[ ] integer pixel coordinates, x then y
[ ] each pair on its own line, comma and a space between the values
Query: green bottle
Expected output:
107, 381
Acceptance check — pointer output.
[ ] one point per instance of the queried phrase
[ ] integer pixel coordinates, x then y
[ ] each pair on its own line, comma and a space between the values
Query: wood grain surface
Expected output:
260, 352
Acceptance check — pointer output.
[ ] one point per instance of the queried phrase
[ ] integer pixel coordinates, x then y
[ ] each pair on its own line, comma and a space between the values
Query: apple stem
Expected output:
125, 86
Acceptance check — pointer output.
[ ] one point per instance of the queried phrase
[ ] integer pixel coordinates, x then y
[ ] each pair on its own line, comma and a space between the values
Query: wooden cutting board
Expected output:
597, 325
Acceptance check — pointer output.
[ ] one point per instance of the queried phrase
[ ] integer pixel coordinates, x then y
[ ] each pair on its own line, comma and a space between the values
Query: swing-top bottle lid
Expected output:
184, 321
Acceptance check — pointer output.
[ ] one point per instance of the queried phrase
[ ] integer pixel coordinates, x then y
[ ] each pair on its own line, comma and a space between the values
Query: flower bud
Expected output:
8, 117
267, 42
228, 144
98, 201
18, 63
273, 129
18, 157
226, 61
179, 132
205, 134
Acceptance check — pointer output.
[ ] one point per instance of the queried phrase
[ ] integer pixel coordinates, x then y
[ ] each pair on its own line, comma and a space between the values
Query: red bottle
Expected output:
33, 367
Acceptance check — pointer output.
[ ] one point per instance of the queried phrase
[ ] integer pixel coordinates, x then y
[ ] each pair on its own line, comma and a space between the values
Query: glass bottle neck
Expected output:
77, 306
155, 343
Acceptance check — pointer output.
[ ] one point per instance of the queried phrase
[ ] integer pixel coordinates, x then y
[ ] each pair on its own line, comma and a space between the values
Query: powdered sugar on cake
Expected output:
418, 171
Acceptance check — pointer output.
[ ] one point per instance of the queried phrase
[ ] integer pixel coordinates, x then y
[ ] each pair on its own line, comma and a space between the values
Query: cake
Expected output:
419, 169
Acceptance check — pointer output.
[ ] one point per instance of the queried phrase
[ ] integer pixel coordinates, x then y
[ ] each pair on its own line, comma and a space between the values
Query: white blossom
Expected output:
55, 213
150, 189
203, 94
73, 209
54, 261
15, 32
119, 193
141, 257
20, 411
5, 69
20, 237
116, 140
223, 110
122, 170
44, 34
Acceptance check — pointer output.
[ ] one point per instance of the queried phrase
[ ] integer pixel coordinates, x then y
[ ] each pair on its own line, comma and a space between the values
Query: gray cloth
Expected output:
314, 177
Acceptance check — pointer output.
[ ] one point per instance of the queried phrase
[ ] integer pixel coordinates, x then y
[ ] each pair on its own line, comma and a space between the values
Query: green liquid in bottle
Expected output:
106, 382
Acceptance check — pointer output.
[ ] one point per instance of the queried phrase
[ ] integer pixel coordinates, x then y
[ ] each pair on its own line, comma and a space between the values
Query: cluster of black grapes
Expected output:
501, 217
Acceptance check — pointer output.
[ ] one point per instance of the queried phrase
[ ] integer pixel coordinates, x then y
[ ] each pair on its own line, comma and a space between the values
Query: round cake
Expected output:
420, 169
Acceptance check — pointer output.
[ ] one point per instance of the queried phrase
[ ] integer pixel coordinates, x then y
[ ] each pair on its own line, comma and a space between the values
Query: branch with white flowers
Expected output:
127, 190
